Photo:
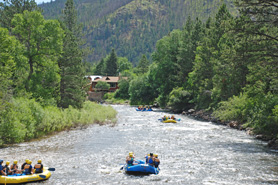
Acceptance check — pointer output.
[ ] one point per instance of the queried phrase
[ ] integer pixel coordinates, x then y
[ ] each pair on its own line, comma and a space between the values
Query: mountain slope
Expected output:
132, 27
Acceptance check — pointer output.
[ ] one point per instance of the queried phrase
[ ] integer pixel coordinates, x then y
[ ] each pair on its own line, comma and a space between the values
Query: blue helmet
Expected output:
1, 160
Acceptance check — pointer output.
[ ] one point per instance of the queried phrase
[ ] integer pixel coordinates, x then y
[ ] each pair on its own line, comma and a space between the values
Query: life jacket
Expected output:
130, 162
14, 167
23, 166
7, 169
27, 169
38, 168
150, 161
156, 163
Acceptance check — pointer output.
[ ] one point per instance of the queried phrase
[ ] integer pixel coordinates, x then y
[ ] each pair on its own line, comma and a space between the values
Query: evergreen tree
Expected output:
11, 7
71, 66
143, 65
99, 68
112, 64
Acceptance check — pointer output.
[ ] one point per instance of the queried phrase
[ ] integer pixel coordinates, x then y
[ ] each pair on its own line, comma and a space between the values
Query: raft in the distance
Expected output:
169, 120
144, 109
20, 179
141, 169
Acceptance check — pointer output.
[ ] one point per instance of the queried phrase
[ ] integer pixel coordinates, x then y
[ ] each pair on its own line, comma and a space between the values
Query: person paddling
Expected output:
7, 168
130, 159
14, 168
28, 168
23, 165
2, 172
156, 161
147, 158
38, 167
150, 159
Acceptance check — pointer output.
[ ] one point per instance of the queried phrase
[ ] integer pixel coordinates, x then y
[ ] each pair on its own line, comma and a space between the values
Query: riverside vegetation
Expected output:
27, 119
42, 74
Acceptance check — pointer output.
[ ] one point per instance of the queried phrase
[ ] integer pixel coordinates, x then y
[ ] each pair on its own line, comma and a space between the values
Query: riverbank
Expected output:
28, 120
207, 116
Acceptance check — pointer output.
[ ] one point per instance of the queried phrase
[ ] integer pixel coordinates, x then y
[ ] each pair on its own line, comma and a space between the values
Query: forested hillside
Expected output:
132, 27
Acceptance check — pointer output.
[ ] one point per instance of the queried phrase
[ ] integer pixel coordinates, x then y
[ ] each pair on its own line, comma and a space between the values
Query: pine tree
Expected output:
112, 64
143, 65
71, 66
99, 68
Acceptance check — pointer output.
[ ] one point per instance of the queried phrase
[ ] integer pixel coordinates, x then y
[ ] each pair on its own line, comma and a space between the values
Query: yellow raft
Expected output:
12, 179
169, 121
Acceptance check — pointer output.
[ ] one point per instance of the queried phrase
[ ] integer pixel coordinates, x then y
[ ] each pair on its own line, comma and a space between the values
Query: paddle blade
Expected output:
51, 169
42, 176
122, 168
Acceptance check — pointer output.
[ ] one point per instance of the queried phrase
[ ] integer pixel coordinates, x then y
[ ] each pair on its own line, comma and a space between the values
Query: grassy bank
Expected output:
109, 98
26, 119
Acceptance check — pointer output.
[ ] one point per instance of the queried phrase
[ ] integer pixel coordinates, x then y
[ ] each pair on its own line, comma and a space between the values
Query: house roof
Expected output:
93, 77
111, 79
108, 79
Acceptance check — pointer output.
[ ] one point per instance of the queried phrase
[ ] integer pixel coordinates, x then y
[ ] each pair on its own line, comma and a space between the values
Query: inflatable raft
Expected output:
20, 179
141, 169
144, 109
169, 120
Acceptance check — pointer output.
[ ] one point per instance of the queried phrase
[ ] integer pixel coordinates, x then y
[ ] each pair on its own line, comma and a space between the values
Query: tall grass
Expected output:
27, 119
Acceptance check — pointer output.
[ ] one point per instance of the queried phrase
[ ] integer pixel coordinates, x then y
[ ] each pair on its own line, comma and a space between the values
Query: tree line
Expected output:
226, 66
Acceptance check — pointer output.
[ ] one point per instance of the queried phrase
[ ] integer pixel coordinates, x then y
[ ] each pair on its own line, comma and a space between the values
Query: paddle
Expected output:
51, 169
42, 176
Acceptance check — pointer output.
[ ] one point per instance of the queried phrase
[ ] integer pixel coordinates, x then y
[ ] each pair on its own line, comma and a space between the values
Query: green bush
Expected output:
264, 117
110, 98
26, 119
259, 113
103, 85
122, 92
179, 99
233, 109
109, 95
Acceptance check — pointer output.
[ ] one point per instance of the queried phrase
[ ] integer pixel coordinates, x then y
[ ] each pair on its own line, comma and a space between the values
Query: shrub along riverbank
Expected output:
26, 119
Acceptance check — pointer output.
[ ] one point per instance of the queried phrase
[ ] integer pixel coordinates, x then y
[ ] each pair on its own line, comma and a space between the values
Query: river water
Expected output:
190, 151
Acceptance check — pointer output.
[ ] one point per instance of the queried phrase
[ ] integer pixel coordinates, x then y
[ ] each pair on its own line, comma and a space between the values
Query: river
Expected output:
191, 152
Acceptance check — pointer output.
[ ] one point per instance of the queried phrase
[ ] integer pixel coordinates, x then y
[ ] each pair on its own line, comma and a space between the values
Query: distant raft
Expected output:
169, 120
144, 109
20, 179
141, 169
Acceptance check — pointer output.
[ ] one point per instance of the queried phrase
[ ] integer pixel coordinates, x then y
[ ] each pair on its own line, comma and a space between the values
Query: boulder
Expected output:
190, 111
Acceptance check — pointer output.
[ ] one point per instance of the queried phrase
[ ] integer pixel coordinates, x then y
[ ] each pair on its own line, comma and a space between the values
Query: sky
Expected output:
37, 1
40, 1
